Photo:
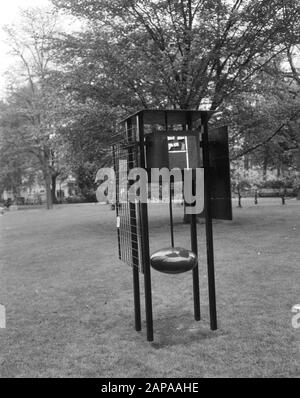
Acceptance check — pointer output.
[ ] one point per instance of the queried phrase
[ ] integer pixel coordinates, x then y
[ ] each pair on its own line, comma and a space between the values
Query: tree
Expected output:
243, 180
32, 100
295, 75
183, 54
175, 54
84, 135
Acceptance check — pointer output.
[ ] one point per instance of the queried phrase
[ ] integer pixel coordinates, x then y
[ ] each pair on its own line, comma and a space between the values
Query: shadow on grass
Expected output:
178, 330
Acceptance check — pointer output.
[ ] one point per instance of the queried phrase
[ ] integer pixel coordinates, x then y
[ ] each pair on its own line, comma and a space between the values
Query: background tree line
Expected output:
69, 89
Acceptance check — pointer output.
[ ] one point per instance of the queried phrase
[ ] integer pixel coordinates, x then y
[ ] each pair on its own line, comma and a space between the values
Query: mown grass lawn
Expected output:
70, 307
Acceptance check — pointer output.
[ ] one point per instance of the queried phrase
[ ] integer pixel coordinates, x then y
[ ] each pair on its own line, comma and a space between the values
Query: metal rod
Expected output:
137, 302
194, 239
171, 215
145, 241
209, 228
196, 288
170, 192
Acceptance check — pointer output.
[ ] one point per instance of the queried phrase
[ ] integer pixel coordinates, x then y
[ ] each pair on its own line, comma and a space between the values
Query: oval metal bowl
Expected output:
173, 260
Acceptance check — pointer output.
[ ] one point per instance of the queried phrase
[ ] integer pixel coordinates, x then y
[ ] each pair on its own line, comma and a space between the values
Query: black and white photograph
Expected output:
149, 192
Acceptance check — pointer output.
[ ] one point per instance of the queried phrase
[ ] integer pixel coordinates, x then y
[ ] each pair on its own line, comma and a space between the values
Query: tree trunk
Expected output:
265, 168
48, 191
47, 177
278, 171
53, 189
283, 198
255, 198
246, 162
265, 163
240, 200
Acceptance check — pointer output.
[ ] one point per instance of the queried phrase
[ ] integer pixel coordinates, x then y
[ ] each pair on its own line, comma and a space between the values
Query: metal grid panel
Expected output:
125, 158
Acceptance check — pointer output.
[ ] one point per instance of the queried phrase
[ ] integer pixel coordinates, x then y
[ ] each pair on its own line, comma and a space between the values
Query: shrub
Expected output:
75, 199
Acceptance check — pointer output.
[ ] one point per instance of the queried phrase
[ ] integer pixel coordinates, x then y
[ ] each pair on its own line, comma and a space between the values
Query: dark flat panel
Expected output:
157, 151
193, 153
153, 116
219, 174
177, 159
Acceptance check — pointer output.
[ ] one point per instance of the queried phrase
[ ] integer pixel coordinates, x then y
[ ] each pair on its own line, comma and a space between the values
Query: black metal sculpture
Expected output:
146, 141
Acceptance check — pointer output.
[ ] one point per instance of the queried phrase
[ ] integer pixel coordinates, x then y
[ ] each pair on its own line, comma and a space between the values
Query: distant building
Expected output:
66, 188
36, 193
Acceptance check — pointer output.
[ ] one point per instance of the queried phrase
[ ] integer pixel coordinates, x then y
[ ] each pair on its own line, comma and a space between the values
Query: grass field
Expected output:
70, 307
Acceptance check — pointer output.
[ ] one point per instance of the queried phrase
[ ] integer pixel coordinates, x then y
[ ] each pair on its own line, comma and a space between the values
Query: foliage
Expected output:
290, 181
218, 55
86, 181
33, 109
182, 54
243, 180
222, 55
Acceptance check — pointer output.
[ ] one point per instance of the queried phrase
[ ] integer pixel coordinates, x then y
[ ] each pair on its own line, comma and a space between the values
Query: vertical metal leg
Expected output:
194, 239
209, 230
145, 239
147, 270
148, 304
211, 275
196, 289
137, 303
135, 269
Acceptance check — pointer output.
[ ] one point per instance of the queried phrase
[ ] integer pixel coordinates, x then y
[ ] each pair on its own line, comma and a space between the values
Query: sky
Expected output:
9, 10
